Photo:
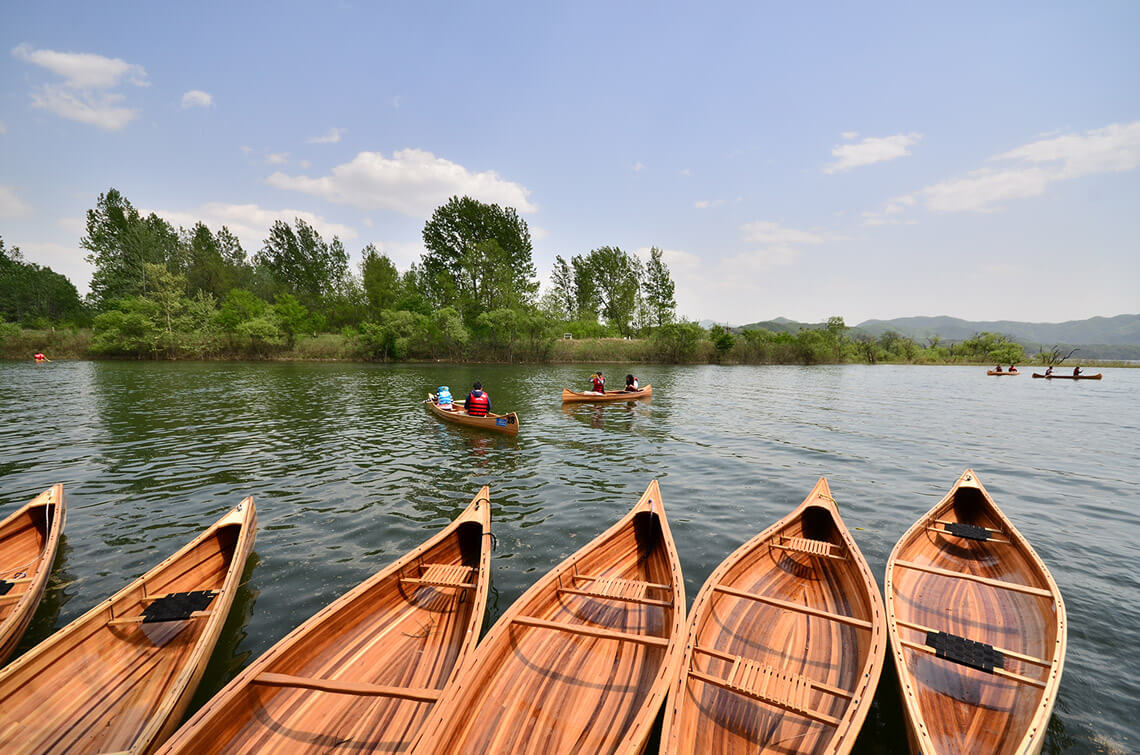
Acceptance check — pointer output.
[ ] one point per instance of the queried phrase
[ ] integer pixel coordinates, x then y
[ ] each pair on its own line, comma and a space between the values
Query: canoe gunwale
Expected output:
846, 726
1035, 730
634, 739
14, 625
478, 511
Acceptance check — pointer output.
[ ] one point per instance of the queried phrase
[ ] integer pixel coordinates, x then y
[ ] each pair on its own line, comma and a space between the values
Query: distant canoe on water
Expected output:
785, 645
508, 424
1001, 374
362, 674
977, 626
119, 678
582, 661
1096, 376
29, 539
569, 395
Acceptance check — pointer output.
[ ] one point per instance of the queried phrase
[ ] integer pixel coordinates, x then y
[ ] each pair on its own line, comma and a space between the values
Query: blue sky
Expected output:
797, 160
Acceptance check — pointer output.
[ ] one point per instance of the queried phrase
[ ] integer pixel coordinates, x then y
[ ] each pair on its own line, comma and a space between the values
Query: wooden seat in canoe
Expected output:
443, 575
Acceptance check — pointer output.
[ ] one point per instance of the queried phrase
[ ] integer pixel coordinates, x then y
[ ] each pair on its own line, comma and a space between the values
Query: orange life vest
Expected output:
477, 406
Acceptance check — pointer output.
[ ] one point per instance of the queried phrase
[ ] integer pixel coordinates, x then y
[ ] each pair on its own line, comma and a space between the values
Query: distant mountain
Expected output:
1122, 330
782, 325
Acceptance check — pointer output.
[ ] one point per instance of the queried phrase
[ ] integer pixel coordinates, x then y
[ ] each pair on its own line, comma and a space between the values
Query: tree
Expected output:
586, 299
615, 277
35, 295
166, 291
464, 268
659, 290
381, 279
563, 295
292, 317
120, 243
302, 263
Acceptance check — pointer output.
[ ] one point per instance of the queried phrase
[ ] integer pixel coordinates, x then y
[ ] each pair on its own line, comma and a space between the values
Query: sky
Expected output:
797, 160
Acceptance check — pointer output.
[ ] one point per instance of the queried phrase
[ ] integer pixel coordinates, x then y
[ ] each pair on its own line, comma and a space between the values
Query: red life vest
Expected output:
477, 406
599, 384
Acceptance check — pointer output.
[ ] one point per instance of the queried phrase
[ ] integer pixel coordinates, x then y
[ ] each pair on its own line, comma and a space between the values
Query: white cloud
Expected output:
704, 204
1112, 149
246, 149
413, 182
402, 253
396, 101
305, 164
759, 260
637, 167
277, 158
77, 227
84, 94
197, 98
870, 151
538, 232
69, 261
332, 137
250, 222
764, 232
686, 172
11, 206
849, 135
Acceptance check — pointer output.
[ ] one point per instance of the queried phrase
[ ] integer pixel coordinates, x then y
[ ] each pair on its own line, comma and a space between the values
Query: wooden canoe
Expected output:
964, 571
582, 661
364, 672
1001, 374
1096, 376
497, 423
569, 395
29, 539
786, 641
119, 678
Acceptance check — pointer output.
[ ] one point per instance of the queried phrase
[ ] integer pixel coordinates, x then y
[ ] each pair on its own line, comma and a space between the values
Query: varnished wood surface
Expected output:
581, 662
363, 673
997, 592
1096, 376
785, 643
509, 424
1002, 374
99, 685
29, 539
571, 396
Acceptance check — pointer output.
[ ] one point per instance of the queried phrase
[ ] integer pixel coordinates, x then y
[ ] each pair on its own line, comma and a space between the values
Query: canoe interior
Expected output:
964, 709
540, 689
28, 543
775, 698
95, 687
385, 632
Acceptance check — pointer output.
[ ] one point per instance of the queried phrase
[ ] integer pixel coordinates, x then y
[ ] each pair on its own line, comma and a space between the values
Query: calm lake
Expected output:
348, 471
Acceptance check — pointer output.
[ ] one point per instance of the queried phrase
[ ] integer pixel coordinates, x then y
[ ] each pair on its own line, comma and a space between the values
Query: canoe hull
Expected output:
569, 396
394, 631
964, 571
758, 674
29, 540
107, 682
1096, 376
582, 660
507, 424
1002, 374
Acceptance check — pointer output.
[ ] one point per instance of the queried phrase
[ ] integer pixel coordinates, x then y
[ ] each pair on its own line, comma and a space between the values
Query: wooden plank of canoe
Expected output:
363, 672
583, 659
29, 539
95, 686
994, 591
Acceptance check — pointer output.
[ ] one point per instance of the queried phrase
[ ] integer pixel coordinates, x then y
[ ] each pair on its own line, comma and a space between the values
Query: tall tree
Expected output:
33, 294
302, 263
658, 290
616, 278
120, 243
586, 300
381, 279
562, 288
464, 268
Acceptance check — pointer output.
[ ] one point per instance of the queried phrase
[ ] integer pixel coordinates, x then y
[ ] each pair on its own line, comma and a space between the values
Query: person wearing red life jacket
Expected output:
478, 402
631, 384
599, 382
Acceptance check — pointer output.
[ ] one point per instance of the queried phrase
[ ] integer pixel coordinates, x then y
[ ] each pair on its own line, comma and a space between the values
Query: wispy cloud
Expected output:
332, 137
277, 158
412, 182
85, 94
704, 204
11, 206
870, 151
637, 167
766, 232
197, 98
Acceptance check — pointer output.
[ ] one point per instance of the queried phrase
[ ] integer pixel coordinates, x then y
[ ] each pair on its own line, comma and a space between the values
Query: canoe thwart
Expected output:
142, 619
589, 631
443, 575
798, 607
999, 583
625, 598
362, 689
811, 547
783, 689
1007, 653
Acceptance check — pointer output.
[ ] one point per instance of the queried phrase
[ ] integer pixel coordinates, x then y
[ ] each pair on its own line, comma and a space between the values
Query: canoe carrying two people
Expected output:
1012, 369
477, 404
598, 383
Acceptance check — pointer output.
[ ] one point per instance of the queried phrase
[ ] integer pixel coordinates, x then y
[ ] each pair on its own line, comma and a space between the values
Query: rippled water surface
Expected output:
348, 471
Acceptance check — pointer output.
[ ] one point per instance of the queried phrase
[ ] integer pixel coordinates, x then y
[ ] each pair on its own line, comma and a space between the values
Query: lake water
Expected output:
348, 471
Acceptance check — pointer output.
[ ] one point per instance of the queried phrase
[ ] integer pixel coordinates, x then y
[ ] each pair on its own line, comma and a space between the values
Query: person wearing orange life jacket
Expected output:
478, 402
41, 357
599, 382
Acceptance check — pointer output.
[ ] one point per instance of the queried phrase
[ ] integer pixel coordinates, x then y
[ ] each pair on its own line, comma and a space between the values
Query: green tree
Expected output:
382, 285
463, 268
616, 279
291, 316
564, 299
659, 290
167, 291
120, 243
677, 342
32, 294
722, 340
587, 300
302, 263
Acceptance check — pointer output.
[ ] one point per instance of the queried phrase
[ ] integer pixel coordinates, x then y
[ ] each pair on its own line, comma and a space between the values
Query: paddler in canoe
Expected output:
598, 381
631, 384
478, 402
997, 368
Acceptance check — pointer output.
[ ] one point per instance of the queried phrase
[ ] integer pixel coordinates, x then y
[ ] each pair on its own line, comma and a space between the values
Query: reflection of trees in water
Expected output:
56, 596
227, 661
